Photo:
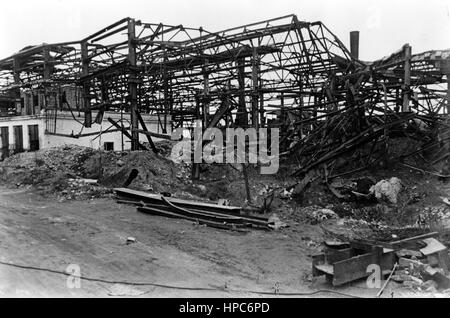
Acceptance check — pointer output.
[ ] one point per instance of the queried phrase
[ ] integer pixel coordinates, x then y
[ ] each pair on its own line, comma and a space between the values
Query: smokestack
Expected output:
354, 44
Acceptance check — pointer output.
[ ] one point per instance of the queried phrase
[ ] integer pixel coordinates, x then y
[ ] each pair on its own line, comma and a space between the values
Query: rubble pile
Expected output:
424, 269
433, 216
347, 229
58, 170
75, 172
151, 172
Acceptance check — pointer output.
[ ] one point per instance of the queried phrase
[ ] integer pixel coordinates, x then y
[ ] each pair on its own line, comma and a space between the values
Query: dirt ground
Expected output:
50, 219
45, 233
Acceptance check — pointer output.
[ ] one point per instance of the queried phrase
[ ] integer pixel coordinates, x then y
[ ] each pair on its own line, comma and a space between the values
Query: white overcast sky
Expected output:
384, 25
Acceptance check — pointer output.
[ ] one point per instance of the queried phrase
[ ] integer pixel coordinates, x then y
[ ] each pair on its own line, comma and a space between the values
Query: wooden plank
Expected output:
433, 246
408, 242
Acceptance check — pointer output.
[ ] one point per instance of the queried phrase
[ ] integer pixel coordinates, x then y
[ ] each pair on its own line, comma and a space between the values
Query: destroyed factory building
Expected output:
121, 92
134, 78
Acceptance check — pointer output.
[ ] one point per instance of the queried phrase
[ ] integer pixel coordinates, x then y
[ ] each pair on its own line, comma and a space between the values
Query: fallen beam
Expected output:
219, 225
157, 198
250, 221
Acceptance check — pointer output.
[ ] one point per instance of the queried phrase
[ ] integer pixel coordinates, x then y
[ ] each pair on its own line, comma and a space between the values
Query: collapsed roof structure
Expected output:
282, 72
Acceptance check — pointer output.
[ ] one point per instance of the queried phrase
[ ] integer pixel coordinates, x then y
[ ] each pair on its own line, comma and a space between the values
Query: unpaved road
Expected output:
45, 233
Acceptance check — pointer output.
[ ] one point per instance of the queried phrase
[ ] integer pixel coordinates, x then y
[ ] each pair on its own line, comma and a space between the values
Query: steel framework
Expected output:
281, 72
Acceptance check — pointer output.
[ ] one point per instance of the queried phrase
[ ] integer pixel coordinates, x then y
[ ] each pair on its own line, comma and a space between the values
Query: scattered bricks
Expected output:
409, 263
413, 267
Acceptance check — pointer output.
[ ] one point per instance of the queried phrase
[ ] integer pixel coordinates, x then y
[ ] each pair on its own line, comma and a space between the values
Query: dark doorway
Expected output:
33, 133
18, 139
4, 138
108, 146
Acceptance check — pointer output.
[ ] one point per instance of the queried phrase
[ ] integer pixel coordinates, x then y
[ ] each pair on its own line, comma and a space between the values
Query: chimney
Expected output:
354, 44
